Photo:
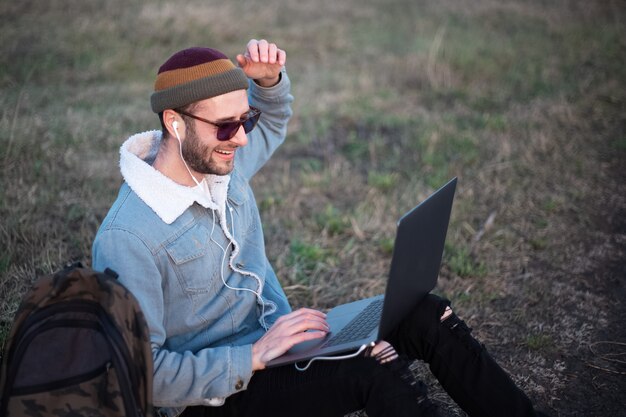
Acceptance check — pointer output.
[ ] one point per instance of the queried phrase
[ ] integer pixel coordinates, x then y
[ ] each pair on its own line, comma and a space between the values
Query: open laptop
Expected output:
415, 263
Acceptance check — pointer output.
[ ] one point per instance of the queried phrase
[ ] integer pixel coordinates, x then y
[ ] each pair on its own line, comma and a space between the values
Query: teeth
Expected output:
224, 152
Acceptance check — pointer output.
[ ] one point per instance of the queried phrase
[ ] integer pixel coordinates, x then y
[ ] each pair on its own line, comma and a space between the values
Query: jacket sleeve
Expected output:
273, 291
204, 377
275, 105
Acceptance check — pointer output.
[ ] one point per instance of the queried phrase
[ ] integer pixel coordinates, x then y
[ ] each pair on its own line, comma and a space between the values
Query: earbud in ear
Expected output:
175, 126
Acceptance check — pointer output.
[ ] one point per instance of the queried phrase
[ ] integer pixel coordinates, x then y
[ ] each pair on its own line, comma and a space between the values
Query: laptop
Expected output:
415, 263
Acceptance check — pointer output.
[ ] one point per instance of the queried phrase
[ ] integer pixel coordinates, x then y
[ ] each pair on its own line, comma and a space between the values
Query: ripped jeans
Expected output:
460, 363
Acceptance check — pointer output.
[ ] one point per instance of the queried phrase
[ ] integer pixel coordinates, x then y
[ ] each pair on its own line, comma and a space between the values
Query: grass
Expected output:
462, 263
523, 101
538, 341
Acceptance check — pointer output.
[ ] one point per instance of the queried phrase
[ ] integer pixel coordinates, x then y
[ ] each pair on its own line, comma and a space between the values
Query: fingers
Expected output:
268, 348
282, 57
261, 51
303, 311
383, 352
241, 60
271, 53
447, 313
293, 328
300, 321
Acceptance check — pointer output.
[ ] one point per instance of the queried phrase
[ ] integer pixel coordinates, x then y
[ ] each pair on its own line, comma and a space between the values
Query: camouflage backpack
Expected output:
79, 346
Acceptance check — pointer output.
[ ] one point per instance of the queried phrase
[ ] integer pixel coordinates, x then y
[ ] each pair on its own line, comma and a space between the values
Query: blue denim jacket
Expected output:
201, 331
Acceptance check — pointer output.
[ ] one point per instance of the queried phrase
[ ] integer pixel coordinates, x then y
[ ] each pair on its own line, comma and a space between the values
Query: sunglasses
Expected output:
226, 130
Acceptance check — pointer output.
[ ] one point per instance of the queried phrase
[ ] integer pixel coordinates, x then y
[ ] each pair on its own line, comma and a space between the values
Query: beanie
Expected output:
195, 74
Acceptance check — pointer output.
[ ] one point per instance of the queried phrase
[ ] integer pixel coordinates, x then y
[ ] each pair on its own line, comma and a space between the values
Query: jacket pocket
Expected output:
195, 258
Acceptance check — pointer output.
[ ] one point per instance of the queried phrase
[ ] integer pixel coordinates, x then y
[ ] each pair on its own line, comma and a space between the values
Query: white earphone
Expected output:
180, 151
257, 294
175, 126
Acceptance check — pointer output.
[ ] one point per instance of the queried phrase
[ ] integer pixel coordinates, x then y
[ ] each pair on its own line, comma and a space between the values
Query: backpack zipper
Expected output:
62, 383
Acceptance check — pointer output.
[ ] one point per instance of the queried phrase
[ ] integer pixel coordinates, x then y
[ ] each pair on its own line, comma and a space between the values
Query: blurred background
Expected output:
524, 101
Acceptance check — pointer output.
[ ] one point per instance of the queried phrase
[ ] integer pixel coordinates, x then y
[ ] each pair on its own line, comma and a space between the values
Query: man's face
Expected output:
201, 149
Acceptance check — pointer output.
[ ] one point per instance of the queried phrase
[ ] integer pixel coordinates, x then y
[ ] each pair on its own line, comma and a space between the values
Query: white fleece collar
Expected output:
167, 198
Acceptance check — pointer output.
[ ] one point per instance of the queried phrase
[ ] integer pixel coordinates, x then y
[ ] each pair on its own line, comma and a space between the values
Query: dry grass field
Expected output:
524, 101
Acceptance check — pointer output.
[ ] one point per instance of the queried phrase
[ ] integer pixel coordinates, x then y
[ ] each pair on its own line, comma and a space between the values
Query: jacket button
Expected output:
239, 385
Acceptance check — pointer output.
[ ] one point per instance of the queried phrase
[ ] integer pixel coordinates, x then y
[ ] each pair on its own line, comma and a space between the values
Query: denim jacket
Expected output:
194, 257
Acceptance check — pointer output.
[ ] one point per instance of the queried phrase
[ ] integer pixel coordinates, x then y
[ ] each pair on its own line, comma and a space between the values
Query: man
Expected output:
185, 236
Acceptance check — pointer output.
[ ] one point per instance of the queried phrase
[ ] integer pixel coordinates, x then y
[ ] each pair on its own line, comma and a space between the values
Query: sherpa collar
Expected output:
167, 198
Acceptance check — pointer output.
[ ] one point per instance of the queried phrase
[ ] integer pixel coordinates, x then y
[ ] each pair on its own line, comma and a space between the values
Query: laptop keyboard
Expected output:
360, 326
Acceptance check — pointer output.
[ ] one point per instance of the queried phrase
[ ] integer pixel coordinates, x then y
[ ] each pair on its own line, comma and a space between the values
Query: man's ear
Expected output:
174, 124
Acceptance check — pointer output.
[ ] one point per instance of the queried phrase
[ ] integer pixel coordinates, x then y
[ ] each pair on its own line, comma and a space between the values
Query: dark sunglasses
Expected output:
226, 130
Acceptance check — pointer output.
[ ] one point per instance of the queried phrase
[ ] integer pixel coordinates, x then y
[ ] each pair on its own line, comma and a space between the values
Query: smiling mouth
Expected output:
223, 152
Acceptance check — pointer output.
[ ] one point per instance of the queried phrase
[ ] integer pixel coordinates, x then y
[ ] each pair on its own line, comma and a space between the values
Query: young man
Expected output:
185, 236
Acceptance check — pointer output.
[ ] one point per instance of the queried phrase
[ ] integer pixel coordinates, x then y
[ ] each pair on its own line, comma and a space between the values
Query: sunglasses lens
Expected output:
249, 124
226, 131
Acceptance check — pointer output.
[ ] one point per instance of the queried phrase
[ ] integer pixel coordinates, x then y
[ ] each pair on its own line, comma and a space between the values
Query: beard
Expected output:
199, 156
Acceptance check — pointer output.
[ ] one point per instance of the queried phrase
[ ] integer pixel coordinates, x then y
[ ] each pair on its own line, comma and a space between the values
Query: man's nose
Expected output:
240, 138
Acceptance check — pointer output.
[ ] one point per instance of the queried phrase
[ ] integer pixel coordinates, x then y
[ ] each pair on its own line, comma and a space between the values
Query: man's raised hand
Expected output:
262, 62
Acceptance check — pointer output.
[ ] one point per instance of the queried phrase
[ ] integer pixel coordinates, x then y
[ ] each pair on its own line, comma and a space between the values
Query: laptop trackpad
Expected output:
307, 345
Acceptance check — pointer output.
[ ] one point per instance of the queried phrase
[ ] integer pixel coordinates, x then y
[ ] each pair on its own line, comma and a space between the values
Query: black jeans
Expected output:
461, 364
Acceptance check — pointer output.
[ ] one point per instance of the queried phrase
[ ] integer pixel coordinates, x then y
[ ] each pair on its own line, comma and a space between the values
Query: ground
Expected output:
523, 101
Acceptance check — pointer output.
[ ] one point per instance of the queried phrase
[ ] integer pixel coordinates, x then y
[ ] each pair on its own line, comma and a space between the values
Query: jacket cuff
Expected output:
241, 368
273, 93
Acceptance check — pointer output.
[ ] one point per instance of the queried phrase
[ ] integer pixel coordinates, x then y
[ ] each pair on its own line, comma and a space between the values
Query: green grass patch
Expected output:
382, 181
539, 243
332, 220
5, 262
619, 144
305, 258
386, 245
462, 263
508, 55
307, 254
551, 205
541, 223
270, 202
538, 341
